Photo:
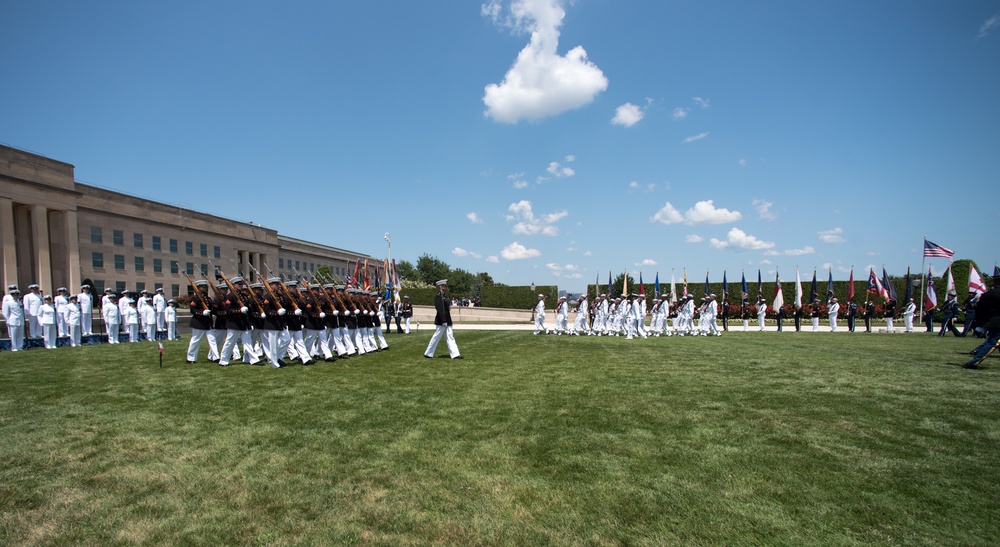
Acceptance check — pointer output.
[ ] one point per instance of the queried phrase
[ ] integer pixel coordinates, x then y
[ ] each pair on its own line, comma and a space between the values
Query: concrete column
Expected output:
9, 257
73, 251
40, 242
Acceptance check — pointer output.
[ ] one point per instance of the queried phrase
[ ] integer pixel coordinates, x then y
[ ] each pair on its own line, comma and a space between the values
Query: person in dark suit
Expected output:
869, 314
442, 323
949, 312
988, 319
852, 314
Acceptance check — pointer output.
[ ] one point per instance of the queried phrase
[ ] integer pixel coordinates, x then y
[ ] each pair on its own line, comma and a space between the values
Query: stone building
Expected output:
58, 232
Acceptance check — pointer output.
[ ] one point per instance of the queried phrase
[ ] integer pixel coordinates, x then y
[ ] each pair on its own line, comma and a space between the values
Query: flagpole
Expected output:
923, 284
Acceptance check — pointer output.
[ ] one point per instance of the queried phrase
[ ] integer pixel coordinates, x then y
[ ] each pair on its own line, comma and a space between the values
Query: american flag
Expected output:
934, 250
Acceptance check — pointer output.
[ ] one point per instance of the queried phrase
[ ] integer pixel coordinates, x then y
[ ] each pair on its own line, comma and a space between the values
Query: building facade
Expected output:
57, 232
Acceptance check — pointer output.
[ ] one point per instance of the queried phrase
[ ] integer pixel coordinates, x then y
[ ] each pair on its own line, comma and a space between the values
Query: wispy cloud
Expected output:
739, 240
693, 238
807, 250
700, 102
516, 251
540, 83
458, 251
697, 137
680, 113
568, 271
989, 25
646, 262
764, 209
474, 218
560, 171
831, 236
703, 212
517, 180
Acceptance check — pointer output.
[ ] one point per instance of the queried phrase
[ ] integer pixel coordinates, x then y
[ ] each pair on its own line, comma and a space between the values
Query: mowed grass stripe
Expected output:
747, 438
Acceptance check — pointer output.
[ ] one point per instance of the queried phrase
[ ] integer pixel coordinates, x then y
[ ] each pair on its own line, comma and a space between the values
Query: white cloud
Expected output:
517, 179
742, 162
559, 171
741, 241
646, 262
697, 137
474, 218
680, 113
628, 115
703, 212
516, 251
493, 259
458, 251
588, 253
540, 83
667, 215
989, 25
807, 250
700, 102
694, 238
764, 209
831, 236
529, 224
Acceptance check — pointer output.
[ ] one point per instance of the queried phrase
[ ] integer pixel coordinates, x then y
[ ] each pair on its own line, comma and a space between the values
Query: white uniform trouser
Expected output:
580, 324
815, 321
171, 330
49, 335
34, 327
908, 322
449, 336
61, 323
334, 343
213, 344
113, 333
321, 344
760, 321
888, 324
270, 343
539, 323
406, 325
833, 323
381, 339
160, 320
297, 346
151, 332
345, 339
87, 323
133, 332
355, 339
195, 343
74, 335
16, 335
229, 350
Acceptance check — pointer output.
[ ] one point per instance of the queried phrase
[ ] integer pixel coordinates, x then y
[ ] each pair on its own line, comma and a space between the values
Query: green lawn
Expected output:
751, 438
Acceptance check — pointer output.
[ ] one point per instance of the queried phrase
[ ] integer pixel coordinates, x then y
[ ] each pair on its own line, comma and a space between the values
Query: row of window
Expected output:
138, 241
306, 266
174, 292
97, 260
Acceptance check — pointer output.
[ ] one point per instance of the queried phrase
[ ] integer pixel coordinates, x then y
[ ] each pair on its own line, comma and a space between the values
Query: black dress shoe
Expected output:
330, 359
189, 362
428, 356
282, 363
458, 357
970, 365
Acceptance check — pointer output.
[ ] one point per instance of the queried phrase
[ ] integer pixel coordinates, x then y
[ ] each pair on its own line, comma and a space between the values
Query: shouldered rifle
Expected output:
254, 297
232, 288
267, 287
197, 292
284, 289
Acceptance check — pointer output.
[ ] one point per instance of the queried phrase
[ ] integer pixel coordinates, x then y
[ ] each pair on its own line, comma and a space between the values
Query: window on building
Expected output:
281, 263
190, 268
175, 290
217, 252
157, 286
140, 264
156, 243
140, 286
173, 245
204, 270
175, 267
157, 265
98, 286
189, 247
118, 237
204, 249
119, 287
97, 259
137, 240
119, 262
96, 234
296, 264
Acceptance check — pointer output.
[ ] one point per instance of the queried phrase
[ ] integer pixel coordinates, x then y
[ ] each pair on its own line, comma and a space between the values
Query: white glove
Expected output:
206, 313
298, 311
244, 309
322, 315
357, 312
282, 311
262, 316
336, 313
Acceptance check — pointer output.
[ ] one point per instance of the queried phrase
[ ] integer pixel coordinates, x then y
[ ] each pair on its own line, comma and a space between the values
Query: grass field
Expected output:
751, 438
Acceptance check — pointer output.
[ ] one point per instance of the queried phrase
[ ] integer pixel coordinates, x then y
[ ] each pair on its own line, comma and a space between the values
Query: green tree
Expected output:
460, 282
616, 285
431, 269
406, 271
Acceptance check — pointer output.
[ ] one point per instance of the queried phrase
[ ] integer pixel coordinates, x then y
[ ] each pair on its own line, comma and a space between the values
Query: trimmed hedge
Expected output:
517, 298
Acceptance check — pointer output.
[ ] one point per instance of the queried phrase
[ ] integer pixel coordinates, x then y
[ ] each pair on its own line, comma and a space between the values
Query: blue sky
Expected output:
537, 140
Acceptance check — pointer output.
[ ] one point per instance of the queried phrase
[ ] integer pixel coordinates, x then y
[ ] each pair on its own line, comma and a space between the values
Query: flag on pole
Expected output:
642, 288
813, 291
798, 290
996, 271
950, 288
875, 286
160, 344
890, 291
656, 285
760, 286
597, 286
909, 287
933, 250
746, 292
625, 284
725, 287
673, 288
779, 297
685, 281
930, 298
609, 284
850, 285
829, 287
706, 284
976, 284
